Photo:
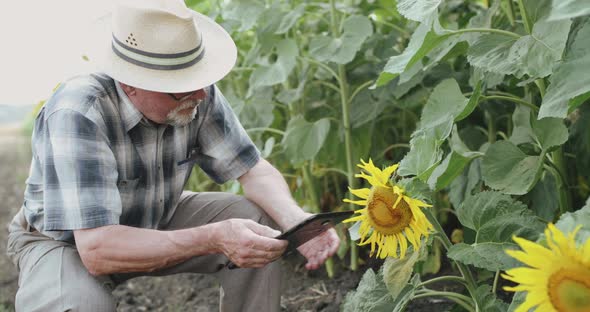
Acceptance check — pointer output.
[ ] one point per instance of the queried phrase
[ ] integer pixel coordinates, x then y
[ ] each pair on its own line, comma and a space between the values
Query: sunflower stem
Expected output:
315, 207
345, 103
441, 279
495, 285
470, 283
461, 300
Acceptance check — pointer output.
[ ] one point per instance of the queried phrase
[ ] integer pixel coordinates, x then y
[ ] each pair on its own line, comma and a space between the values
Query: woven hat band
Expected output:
158, 60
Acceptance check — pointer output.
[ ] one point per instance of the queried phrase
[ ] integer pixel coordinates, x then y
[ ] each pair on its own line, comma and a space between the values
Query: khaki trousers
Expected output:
53, 278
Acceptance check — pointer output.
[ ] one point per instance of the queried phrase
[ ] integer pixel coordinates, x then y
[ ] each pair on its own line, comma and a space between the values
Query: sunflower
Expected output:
389, 219
557, 278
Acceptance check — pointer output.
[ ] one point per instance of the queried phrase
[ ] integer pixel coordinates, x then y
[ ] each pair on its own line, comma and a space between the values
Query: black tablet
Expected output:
312, 227
308, 229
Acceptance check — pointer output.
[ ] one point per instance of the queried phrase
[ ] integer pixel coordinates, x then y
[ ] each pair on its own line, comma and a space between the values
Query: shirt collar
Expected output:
130, 115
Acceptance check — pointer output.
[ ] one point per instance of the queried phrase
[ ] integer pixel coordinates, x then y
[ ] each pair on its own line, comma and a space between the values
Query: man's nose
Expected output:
200, 94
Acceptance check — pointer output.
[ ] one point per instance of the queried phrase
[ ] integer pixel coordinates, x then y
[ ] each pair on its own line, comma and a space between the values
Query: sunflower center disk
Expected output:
570, 290
384, 217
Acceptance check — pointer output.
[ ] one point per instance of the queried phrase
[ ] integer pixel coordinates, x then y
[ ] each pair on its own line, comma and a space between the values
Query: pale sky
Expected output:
41, 45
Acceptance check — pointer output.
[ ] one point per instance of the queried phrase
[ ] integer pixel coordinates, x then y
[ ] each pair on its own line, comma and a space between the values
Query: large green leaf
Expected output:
278, 72
517, 300
489, 256
495, 218
406, 294
371, 295
544, 198
445, 103
533, 55
565, 9
397, 272
522, 131
303, 139
463, 186
256, 111
479, 209
245, 12
417, 10
423, 40
550, 132
422, 158
570, 78
453, 165
507, 169
569, 221
290, 19
580, 141
342, 50
487, 301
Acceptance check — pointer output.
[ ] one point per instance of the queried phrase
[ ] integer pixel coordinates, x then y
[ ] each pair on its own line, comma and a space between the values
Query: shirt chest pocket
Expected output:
128, 192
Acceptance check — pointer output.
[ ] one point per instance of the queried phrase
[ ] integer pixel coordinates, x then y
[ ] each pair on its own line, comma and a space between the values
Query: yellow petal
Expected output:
362, 193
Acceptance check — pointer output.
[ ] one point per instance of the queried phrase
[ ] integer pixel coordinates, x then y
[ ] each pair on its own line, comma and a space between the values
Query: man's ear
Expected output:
128, 89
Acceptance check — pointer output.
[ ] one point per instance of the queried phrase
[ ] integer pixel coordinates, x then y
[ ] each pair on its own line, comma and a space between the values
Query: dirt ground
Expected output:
302, 290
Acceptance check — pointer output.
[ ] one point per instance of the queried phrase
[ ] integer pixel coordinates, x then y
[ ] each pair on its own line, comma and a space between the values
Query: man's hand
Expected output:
319, 249
247, 243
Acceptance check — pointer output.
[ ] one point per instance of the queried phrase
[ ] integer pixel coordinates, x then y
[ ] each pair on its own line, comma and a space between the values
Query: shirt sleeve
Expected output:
79, 174
226, 150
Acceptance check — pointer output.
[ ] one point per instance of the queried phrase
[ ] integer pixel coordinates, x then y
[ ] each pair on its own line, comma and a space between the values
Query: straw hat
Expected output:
161, 45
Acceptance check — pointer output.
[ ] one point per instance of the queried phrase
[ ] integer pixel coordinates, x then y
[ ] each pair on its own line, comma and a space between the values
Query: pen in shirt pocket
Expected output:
192, 156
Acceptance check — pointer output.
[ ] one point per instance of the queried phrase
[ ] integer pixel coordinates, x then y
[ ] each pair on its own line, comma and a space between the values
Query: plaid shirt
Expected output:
97, 161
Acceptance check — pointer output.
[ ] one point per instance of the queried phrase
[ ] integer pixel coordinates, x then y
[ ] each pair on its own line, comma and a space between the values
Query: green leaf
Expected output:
246, 12
397, 272
517, 300
290, 19
256, 111
550, 132
565, 9
371, 295
523, 131
495, 218
479, 209
463, 186
303, 139
423, 40
453, 165
580, 141
422, 158
447, 171
445, 103
569, 221
544, 198
570, 78
417, 10
279, 71
406, 294
487, 301
489, 256
507, 169
342, 50
472, 103
533, 55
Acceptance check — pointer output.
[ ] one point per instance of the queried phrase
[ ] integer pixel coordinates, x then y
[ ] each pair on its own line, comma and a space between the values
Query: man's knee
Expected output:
247, 209
56, 280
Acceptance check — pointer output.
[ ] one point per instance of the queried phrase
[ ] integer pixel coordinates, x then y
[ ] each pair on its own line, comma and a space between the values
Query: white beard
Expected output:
177, 119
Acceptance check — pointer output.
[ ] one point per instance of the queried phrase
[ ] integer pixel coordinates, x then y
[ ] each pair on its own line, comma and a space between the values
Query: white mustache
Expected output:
190, 103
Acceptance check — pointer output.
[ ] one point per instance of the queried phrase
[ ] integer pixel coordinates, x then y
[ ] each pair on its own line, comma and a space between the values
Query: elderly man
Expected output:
112, 151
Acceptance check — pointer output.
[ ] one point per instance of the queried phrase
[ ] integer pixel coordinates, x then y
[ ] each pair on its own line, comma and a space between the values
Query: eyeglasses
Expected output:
180, 99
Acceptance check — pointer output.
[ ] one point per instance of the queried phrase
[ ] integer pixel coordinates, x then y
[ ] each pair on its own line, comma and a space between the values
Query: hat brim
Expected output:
218, 60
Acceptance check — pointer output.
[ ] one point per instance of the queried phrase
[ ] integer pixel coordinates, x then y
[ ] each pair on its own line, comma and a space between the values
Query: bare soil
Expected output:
302, 290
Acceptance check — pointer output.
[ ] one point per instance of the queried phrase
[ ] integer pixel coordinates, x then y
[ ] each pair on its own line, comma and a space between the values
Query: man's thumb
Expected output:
264, 230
